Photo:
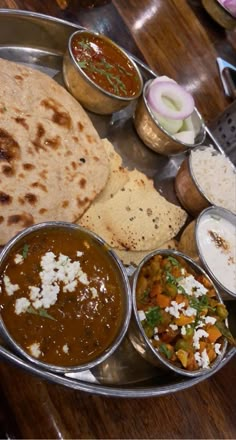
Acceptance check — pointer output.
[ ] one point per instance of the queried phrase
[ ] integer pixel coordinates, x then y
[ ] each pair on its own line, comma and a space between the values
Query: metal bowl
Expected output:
189, 192
190, 244
156, 137
93, 97
125, 290
137, 334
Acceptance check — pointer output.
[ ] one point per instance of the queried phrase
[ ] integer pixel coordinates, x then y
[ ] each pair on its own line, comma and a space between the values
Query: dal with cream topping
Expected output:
61, 297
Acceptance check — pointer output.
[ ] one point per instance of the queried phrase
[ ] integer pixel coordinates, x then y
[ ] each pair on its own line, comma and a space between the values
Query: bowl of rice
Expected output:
206, 177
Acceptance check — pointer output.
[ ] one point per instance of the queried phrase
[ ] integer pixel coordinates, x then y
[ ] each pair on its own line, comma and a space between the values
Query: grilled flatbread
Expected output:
52, 161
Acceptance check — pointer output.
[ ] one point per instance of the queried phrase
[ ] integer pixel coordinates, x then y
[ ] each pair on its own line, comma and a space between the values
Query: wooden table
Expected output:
176, 38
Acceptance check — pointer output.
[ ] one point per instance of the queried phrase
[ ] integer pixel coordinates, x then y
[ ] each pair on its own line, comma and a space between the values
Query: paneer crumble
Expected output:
61, 297
180, 313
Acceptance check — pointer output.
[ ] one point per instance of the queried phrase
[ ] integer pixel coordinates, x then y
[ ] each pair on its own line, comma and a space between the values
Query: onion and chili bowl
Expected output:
155, 136
179, 320
99, 73
65, 300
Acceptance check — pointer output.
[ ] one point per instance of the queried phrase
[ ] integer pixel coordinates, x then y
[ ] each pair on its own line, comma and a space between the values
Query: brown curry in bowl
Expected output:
62, 296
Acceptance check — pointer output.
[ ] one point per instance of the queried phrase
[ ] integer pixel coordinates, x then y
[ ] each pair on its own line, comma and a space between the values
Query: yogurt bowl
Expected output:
211, 241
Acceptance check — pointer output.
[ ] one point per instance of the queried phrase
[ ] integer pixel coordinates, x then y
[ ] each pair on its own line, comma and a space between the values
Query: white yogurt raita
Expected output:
216, 238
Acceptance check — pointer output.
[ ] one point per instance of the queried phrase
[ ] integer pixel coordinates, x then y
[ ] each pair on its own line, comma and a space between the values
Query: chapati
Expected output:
52, 161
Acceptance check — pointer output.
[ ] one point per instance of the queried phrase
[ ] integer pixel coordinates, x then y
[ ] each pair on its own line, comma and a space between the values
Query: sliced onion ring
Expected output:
181, 99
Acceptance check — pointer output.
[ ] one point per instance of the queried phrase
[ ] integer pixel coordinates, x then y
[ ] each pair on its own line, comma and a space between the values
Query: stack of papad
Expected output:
52, 161
130, 214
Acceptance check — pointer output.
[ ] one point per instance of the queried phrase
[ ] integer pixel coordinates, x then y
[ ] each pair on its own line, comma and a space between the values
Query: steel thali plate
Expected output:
39, 41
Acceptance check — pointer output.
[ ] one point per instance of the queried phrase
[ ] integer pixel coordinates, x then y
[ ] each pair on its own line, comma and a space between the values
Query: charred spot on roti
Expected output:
9, 148
31, 198
82, 182
18, 77
82, 202
65, 203
7, 170
90, 139
5, 199
59, 117
95, 158
37, 142
28, 166
1, 219
75, 138
22, 122
149, 212
80, 126
42, 211
54, 142
21, 201
39, 185
24, 219
21, 175
68, 153
82, 159
43, 174
74, 165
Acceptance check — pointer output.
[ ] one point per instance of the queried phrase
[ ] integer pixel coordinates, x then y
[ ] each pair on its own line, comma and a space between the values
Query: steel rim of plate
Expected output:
78, 384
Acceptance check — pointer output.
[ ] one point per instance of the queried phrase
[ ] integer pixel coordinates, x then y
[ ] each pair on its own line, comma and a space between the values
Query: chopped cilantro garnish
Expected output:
144, 297
170, 278
165, 350
154, 316
25, 251
173, 261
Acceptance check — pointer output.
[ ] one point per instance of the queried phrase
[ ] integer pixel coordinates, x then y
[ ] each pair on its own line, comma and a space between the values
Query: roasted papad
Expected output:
135, 219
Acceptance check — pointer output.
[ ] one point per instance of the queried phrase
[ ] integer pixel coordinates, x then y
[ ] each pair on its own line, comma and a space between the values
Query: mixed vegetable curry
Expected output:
180, 313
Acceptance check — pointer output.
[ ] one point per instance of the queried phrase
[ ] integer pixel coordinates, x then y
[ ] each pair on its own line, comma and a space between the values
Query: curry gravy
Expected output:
86, 315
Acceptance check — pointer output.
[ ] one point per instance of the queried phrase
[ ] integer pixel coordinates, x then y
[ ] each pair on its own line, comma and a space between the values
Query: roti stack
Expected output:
130, 214
52, 161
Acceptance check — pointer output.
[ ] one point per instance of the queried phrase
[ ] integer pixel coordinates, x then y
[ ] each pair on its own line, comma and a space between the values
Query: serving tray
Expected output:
40, 41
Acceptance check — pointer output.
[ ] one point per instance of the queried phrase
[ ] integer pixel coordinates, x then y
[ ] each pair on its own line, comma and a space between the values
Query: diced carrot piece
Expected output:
184, 320
156, 289
181, 298
213, 333
202, 345
211, 354
163, 301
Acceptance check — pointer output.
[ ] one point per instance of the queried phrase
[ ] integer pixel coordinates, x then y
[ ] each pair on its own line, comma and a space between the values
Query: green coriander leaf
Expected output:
82, 64
25, 251
154, 316
170, 278
165, 350
173, 261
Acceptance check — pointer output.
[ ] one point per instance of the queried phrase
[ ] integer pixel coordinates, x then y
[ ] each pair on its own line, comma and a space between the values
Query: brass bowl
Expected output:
188, 192
156, 137
93, 97
138, 337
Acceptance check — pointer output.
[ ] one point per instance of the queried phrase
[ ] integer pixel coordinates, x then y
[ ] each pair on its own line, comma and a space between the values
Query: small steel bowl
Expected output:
125, 290
190, 194
137, 334
156, 137
190, 244
93, 97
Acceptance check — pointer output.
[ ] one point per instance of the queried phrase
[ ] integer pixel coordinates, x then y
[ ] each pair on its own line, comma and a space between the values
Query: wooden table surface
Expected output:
176, 38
